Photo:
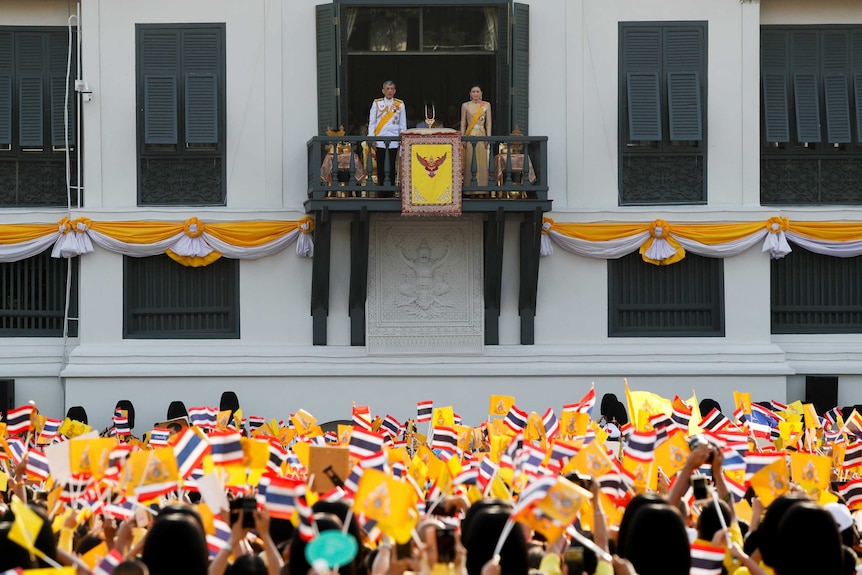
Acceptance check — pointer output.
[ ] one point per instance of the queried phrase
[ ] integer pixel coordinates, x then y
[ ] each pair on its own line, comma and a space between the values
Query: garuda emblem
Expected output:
431, 166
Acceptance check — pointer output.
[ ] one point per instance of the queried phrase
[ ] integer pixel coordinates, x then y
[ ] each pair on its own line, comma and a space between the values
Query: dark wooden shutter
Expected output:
683, 62
30, 53
643, 104
773, 66
642, 59
58, 54
6, 71
835, 63
200, 62
327, 68
683, 101
160, 71
804, 62
856, 70
521, 67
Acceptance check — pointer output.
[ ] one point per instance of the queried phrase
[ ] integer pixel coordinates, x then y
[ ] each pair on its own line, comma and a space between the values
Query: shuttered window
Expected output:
682, 299
662, 112
813, 293
811, 110
163, 299
181, 91
33, 297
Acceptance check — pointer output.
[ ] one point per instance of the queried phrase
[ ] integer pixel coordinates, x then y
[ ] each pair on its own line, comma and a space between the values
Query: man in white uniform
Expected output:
387, 118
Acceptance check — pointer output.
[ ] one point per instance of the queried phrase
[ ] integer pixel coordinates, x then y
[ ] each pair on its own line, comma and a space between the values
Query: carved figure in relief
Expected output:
425, 286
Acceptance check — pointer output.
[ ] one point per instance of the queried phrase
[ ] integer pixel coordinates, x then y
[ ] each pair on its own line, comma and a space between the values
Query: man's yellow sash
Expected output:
384, 119
475, 118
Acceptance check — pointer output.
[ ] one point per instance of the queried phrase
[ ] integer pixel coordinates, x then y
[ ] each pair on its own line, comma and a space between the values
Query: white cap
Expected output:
840, 514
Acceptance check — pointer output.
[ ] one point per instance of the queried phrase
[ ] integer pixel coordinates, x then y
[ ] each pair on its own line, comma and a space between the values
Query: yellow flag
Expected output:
742, 400
255, 453
500, 405
563, 501
645, 402
223, 419
535, 429
810, 414
788, 430
4, 481
811, 472
26, 526
443, 416
644, 472
591, 460
539, 522
671, 455
95, 555
431, 170
51, 571
694, 423
72, 429
91, 455
771, 482
388, 501
303, 421
150, 468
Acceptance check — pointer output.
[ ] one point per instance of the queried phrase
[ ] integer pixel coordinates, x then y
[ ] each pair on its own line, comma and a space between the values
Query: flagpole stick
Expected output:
721, 518
601, 553
507, 528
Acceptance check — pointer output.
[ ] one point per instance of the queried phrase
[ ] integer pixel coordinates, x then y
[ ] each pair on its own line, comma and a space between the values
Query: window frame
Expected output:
19, 270
147, 151
133, 284
667, 114
693, 265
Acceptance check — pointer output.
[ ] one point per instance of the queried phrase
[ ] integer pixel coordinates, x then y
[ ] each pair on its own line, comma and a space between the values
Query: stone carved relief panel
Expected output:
425, 286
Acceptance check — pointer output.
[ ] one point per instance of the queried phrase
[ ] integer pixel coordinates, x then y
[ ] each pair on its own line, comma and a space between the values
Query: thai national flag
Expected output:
530, 459
852, 494
755, 461
280, 498
466, 477
561, 453
706, 559
391, 425
159, 436
550, 423
640, 445
50, 429
18, 419
364, 443
17, 449
534, 492
109, 563
121, 511
75, 487
714, 421
351, 484
255, 422
587, 402
220, 539
206, 417
277, 457
37, 465
189, 450
854, 424
516, 419
681, 415
226, 447
424, 410
362, 417
487, 471
377, 461
835, 418
307, 528
444, 438
853, 455
117, 458
121, 423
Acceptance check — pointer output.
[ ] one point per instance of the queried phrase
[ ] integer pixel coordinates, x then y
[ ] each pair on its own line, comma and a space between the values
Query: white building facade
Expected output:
257, 66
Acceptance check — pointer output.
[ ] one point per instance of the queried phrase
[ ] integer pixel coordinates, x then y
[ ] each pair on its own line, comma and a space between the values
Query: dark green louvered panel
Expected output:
836, 52
837, 108
6, 70
775, 108
160, 109
857, 92
201, 51
30, 112
807, 107
684, 109
201, 99
683, 48
5, 110
327, 68
644, 109
804, 51
160, 51
773, 51
642, 49
520, 66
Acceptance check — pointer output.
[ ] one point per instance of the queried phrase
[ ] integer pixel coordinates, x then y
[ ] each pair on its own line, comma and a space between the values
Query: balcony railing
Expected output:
517, 171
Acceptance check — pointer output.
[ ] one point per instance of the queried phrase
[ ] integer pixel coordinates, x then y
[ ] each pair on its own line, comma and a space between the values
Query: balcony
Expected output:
344, 184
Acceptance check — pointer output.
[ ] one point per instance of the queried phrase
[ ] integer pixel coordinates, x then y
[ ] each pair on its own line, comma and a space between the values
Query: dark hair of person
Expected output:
248, 564
298, 564
177, 409
708, 524
632, 508
342, 510
809, 542
770, 546
229, 401
656, 542
535, 554
707, 404
78, 413
849, 561
131, 567
175, 544
13, 555
473, 511
485, 530
182, 509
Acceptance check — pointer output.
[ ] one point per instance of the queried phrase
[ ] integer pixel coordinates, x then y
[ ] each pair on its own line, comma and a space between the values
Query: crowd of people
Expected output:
655, 487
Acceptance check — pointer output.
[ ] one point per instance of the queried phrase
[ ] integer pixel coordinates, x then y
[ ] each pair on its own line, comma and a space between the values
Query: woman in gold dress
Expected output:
476, 121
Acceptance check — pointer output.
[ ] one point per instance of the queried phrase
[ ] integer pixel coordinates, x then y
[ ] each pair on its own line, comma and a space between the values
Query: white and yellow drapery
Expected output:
191, 243
660, 243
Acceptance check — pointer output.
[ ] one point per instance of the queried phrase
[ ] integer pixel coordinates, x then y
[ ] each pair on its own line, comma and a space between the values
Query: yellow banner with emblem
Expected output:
431, 173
